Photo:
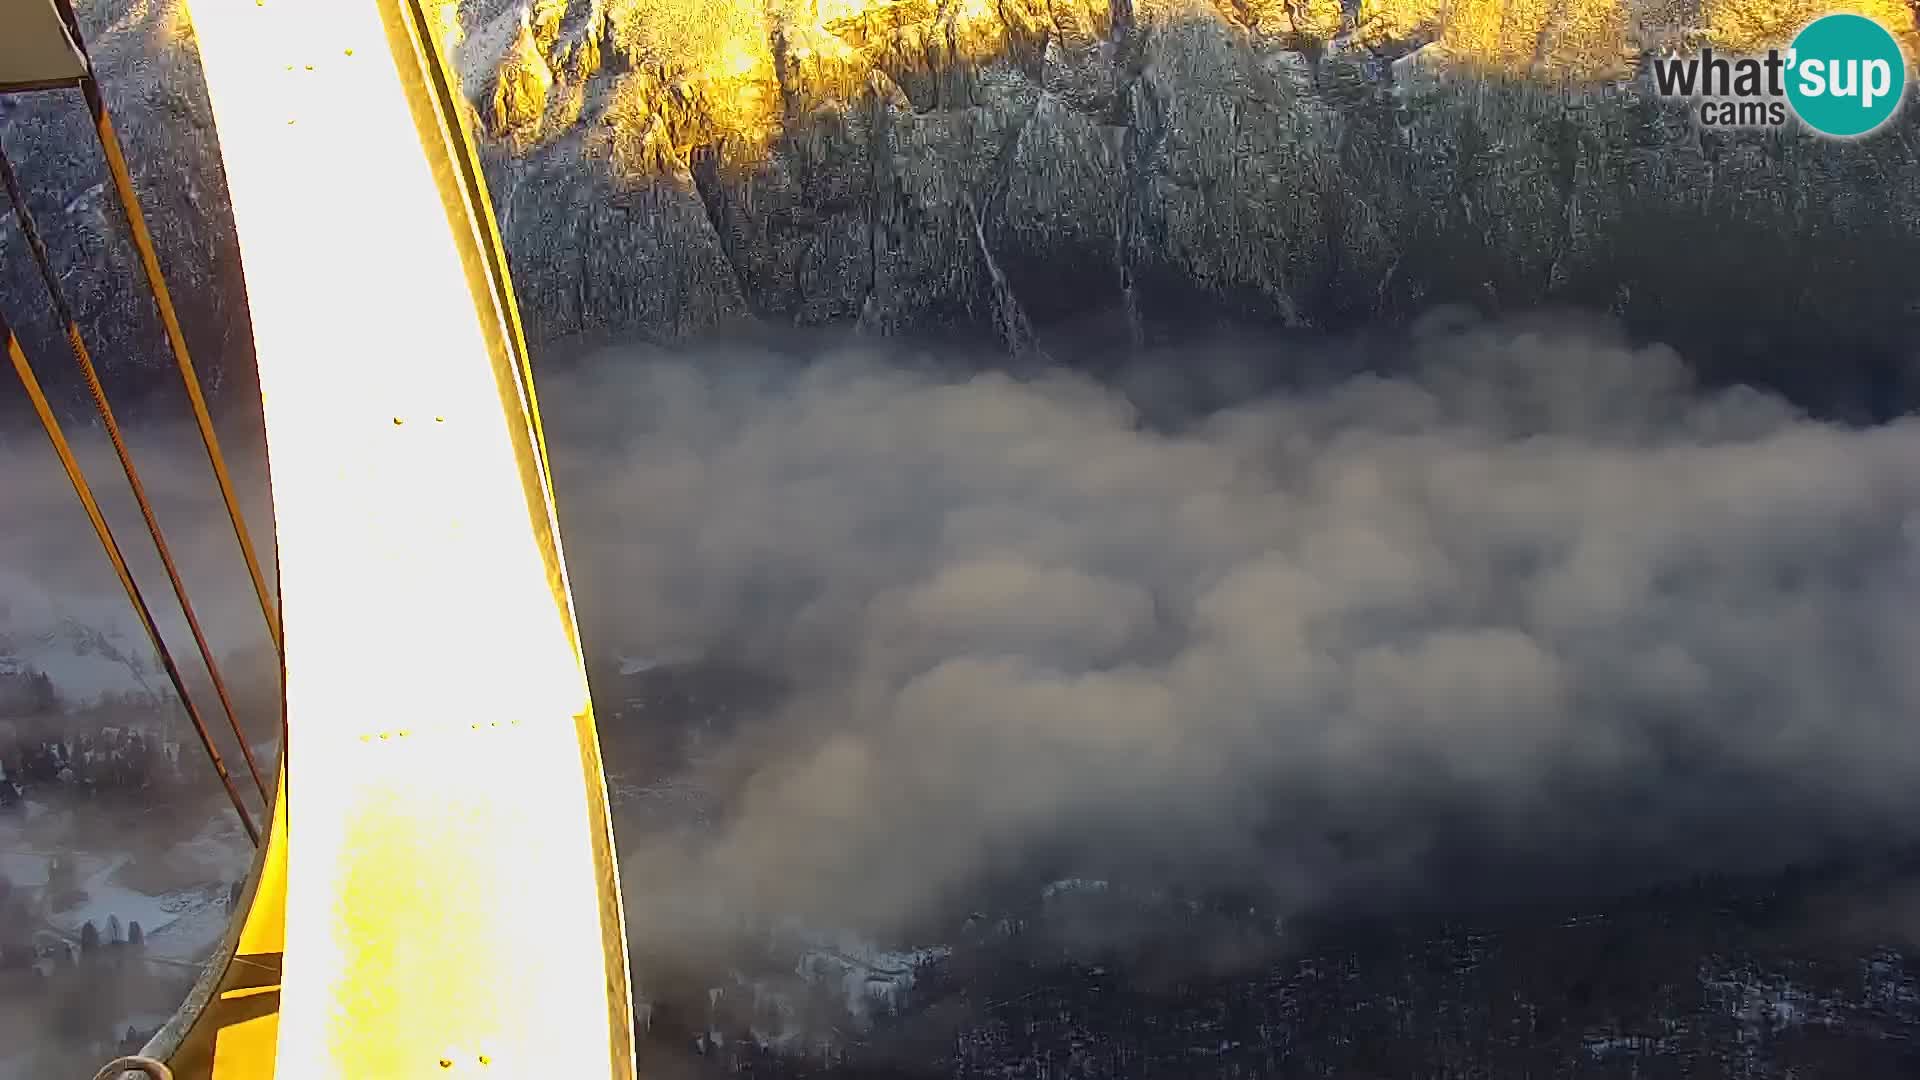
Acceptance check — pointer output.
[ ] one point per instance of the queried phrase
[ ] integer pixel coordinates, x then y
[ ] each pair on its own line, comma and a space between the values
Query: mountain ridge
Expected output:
665, 168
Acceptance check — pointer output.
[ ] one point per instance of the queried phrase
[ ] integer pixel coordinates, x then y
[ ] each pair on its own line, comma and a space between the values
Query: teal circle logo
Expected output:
1846, 75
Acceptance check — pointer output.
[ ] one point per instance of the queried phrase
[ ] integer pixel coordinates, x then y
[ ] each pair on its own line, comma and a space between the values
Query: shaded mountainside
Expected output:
993, 169
1717, 979
1812, 971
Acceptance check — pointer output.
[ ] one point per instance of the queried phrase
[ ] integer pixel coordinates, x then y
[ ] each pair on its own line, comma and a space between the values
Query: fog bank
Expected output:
1530, 611
1480, 610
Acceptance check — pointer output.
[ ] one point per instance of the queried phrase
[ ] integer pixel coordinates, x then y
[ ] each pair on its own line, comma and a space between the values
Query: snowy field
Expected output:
72, 862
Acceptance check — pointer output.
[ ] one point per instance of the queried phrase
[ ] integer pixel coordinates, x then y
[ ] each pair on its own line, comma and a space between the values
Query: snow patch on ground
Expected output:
1602, 1047
106, 900
180, 925
1763, 1003
872, 979
87, 654
639, 665
1067, 886
199, 920
866, 977
24, 868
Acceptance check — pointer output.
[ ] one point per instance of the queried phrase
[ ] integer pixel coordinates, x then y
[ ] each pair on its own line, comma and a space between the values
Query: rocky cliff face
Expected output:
662, 165
996, 167
151, 75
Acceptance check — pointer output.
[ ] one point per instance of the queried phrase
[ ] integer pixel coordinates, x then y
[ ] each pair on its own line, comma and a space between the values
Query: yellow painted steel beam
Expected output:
452, 903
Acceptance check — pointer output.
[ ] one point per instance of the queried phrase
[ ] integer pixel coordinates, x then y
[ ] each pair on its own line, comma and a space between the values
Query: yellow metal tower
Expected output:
437, 895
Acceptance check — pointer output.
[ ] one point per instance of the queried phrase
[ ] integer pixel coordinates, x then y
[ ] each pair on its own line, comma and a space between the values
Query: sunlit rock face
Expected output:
989, 168
663, 165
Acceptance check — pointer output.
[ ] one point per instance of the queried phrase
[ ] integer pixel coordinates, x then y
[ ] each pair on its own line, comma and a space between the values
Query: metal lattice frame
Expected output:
447, 900
398, 937
43, 49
